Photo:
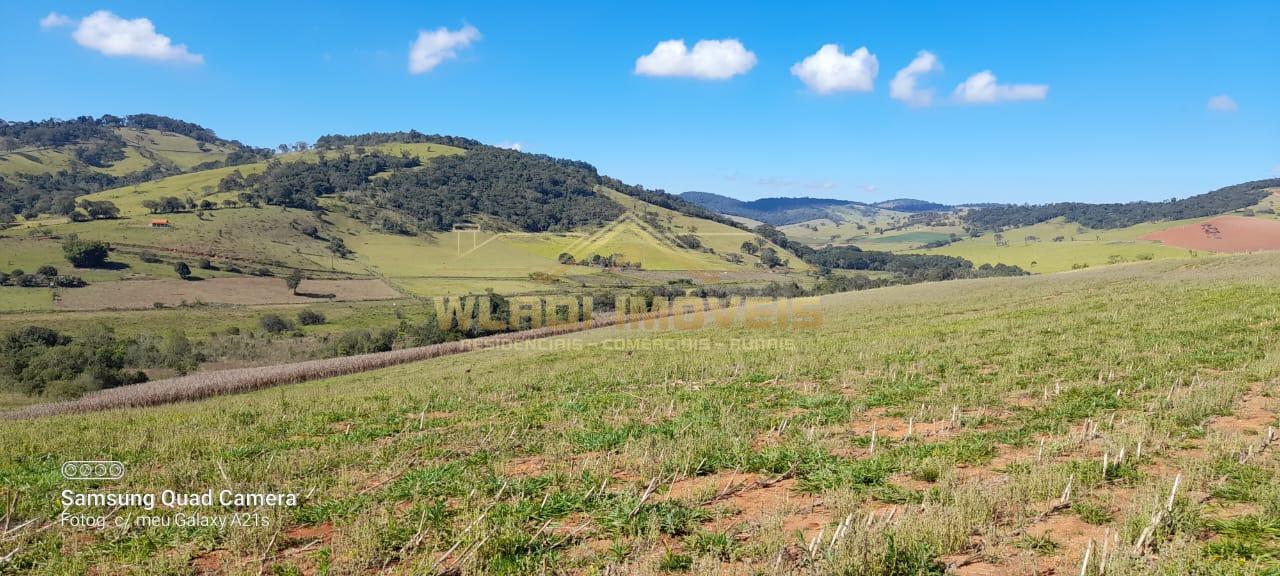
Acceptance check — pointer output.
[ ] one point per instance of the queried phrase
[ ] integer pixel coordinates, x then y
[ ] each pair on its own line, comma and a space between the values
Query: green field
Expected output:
744, 456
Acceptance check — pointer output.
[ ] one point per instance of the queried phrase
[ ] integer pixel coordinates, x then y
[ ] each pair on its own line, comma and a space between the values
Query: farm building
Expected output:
160, 223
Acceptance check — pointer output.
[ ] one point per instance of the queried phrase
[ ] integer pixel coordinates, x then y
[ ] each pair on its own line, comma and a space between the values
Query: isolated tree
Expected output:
293, 280
750, 248
566, 258
85, 253
100, 209
182, 269
769, 257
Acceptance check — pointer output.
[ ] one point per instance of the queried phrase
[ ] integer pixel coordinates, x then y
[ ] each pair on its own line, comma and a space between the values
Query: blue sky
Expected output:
1094, 101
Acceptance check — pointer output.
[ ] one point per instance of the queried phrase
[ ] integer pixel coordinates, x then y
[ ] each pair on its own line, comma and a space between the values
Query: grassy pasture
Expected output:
1080, 246
739, 450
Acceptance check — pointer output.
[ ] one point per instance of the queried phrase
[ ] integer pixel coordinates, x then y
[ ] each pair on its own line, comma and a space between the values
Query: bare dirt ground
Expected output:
143, 294
1223, 234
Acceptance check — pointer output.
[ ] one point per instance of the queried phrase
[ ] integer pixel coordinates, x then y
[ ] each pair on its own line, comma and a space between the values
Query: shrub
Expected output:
69, 282
205, 264
274, 324
149, 257
262, 272
47, 270
310, 318
182, 269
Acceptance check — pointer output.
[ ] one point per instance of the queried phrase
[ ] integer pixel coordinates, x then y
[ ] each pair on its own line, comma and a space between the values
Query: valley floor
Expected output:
1024, 425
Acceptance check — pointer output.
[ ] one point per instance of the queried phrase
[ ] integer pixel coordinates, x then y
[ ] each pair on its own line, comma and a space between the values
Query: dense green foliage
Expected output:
300, 184
85, 253
335, 141
1103, 216
37, 360
913, 267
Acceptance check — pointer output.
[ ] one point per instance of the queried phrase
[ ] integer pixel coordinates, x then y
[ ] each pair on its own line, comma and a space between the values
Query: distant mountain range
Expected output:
783, 211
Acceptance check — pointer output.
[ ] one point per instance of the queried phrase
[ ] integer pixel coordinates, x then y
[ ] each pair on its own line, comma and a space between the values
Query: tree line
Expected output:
1116, 215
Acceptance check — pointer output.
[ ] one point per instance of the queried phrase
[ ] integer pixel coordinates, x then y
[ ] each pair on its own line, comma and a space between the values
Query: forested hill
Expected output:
774, 211
504, 188
1120, 215
783, 210
45, 164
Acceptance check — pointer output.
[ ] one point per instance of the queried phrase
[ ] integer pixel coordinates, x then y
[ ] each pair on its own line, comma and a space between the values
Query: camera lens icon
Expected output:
92, 470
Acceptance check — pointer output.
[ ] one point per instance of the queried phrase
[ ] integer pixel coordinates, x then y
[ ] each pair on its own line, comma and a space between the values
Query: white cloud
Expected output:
1222, 103
115, 36
55, 20
509, 145
982, 88
903, 86
828, 70
709, 60
432, 48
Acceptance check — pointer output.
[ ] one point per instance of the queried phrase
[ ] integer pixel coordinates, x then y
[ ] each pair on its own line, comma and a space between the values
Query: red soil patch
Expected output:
307, 533
708, 486
526, 466
1223, 234
212, 562
804, 513
1253, 416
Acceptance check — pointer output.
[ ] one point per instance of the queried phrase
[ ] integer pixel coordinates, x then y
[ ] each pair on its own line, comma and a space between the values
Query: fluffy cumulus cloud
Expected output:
1222, 103
983, 88
509, 145
905, 84
435, 46
828, 70
55, 20
137, 38
709, 60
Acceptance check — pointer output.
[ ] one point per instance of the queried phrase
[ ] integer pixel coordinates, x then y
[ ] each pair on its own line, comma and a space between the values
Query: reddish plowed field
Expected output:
1223, 234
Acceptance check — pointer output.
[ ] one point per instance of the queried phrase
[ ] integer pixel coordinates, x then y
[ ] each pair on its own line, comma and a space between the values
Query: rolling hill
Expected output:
1038, 238
428, 215
784, 211
44, 165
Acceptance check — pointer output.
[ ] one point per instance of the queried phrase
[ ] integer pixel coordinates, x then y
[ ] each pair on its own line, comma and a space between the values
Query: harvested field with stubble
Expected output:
144, 294
1116, 421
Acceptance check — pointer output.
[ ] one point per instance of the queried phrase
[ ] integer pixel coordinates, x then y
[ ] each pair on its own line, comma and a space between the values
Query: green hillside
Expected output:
938, 423
219, 214
1058, 245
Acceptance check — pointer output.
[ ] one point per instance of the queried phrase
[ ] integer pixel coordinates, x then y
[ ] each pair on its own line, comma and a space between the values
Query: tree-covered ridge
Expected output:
656, 197
1117, 215
529, 192
87, 129
774, 211
336, 141
91, 145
